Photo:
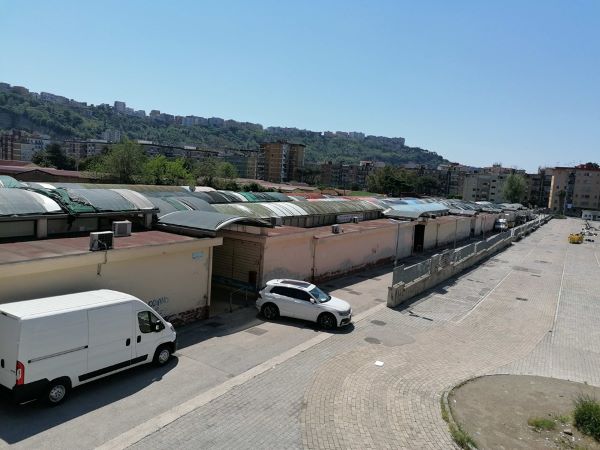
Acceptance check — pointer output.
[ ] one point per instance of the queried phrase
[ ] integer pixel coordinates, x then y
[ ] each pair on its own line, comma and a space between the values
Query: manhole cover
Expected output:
378, 322
523, 299
214, 324
372, 340
256, 331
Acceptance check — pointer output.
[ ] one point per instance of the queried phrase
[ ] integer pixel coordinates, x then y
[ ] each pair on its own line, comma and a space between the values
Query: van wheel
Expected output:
57, 391
162, 355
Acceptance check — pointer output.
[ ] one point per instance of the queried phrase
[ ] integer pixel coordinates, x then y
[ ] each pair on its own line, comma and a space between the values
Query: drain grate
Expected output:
378, 322
372, 340
523, 299
256, 331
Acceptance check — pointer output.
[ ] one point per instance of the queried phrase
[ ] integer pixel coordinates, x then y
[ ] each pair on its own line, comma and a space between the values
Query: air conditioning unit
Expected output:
101, 240
276, 221
121, 228
336, 229
355, 219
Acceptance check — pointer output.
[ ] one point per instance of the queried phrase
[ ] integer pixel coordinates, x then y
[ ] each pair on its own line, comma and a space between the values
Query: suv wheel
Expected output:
270, 311
327, 321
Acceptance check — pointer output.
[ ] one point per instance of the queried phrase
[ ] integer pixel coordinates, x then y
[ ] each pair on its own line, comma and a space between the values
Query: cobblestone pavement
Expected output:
500, 317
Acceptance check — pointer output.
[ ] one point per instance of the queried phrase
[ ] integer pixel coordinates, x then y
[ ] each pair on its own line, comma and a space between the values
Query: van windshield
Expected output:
321, 296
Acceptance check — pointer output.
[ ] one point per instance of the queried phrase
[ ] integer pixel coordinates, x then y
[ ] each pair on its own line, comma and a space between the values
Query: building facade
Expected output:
574, 189
280, 161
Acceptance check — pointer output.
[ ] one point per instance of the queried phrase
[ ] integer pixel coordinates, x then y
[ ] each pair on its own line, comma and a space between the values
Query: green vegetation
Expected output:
67, 121
515, 188
461, 437
564, 419
445, 415
541, 423
53, 156
586, 416
395, 181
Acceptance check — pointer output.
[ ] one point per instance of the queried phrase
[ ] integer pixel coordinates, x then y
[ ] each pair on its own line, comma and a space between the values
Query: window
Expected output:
291, 292
147, 321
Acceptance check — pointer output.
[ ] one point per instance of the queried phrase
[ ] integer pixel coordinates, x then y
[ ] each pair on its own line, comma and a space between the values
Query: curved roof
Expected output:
9, 182
413, 208
296, 208
201, 221
18, 202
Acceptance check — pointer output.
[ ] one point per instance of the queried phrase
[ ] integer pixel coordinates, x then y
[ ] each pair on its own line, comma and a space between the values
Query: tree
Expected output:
53, 156
206, 170
515, 188
226, 170
123, 163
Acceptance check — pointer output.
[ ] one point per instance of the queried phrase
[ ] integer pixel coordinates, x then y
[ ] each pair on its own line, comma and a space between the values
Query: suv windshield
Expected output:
321, 296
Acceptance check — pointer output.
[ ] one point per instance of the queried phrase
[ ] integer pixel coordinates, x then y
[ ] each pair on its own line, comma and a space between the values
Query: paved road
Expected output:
318, 390
504, 316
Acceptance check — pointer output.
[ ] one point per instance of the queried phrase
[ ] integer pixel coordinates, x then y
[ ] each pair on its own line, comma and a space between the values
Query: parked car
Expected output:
50, 345
302, 300
501, 225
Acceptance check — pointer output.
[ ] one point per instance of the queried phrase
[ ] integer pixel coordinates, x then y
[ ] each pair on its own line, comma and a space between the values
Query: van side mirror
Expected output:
159, 327
312, 300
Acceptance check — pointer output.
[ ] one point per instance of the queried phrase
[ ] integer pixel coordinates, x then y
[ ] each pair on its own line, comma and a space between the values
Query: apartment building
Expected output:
20, 145
81, 149
347, 176
280, 161
575, 188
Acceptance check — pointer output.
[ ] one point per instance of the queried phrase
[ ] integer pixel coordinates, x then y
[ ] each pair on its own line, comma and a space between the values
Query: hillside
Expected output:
25, 111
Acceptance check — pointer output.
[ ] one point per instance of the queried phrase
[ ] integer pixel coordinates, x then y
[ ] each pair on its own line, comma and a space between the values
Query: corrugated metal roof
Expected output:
136, 198
19, 202
203, 221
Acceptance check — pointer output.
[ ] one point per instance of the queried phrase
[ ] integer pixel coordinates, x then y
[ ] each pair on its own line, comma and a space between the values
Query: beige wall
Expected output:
318, 254
174, 278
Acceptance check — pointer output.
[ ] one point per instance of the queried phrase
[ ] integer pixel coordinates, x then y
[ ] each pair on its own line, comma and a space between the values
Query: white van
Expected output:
50, 345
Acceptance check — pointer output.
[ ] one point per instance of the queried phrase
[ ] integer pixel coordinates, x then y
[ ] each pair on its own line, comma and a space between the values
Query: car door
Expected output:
148, 334
302, 305
281, 297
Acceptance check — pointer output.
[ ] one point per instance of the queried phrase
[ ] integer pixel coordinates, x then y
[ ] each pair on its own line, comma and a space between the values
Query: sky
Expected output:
516, 82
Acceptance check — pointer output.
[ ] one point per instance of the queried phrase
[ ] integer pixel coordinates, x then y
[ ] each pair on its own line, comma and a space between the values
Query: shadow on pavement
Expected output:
19, 422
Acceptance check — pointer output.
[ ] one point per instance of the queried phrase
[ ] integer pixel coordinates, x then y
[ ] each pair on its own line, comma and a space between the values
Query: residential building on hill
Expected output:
280, 161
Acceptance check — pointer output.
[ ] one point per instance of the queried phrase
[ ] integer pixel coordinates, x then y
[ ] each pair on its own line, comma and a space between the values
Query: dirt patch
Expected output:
495, 410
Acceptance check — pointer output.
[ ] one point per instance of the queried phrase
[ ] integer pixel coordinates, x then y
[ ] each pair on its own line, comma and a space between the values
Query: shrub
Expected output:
540, 423
586, 416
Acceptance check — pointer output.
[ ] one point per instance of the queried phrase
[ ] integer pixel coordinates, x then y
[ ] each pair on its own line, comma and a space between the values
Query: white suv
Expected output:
302, 300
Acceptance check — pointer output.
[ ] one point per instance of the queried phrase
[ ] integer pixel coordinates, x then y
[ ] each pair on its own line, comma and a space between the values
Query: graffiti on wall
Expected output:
159, 304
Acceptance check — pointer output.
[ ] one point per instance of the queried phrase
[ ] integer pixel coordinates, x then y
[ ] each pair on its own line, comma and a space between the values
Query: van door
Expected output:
111, 340
9, 343
148, 335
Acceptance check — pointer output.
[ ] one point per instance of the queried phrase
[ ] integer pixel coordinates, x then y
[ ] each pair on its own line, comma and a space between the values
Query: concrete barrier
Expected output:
413, 280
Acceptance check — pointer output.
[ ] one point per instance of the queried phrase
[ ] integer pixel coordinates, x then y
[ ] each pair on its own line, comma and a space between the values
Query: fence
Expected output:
443, 265
407, 274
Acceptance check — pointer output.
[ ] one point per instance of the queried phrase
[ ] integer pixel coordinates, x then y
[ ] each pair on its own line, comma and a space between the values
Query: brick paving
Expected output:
500, 317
